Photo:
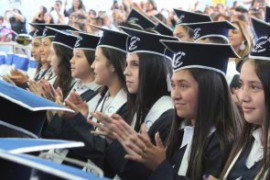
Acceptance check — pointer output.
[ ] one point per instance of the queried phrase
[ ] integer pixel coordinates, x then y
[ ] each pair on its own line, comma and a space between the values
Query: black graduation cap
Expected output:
267, 14
38, 30
191, 17
50, 33
162, 28
9, 130
261, 49
211, 29
138, 19
19, 166
24, 109
197, 55
112, 39
86, 41
64, 38
146, 42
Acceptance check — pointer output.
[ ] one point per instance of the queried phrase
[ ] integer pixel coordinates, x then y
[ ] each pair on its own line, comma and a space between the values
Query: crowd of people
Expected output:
156, 94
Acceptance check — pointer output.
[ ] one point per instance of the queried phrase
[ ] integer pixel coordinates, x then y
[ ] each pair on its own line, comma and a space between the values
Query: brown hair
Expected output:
262, 69
64, 78
248, 37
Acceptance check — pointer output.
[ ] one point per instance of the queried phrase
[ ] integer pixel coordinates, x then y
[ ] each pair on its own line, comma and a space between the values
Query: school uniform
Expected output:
175, 167
158, 119
79, 130
246, 164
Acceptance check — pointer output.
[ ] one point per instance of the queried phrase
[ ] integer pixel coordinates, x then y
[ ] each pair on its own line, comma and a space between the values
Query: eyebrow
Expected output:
251, 82
179, 80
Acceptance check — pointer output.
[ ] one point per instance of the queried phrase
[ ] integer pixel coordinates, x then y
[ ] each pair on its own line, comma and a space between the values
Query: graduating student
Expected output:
108, 67
61, 54
20, 78
199, 140
249, 158
183, 32
211, 32
149, 102
83, 57
46, 71
67, 125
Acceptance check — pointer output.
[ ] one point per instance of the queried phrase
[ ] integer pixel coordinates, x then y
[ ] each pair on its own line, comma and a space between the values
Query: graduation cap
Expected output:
162, 28
86, 41
38, 30
267, 14
112, 39
9, 130
145, 42
24, 109
19, 166
197, 55
191, 17
27, 145
64, 38
138, 19
47, 32
211, 29
261, 49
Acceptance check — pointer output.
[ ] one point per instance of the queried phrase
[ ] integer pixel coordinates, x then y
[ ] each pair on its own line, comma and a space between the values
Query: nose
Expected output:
175, 94
72, 60
41, 49
243, 95
93, 64
126, 71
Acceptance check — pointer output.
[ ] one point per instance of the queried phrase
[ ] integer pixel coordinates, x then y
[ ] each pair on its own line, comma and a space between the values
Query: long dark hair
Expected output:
262, 69
153, 72
118, 60
215, 109
81, 6
90, 56
64, 78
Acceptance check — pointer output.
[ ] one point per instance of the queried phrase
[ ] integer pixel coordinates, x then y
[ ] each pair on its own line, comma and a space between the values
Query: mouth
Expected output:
177, 104
247, 109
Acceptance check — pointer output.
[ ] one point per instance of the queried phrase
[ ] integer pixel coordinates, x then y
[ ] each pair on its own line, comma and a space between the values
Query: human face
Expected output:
236, 37
36, 44
104, 72
45, 49
76, 3
251, 94
54, 61
181, 33
80, 67
132, 73
184, 94
57, 6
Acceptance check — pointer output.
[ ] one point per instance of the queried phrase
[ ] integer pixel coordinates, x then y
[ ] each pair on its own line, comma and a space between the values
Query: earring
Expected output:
242, 46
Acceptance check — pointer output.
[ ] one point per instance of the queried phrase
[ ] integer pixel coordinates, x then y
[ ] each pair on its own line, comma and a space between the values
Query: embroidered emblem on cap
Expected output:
78, 42
45, 32
132, 44
181, 18
35, 34
133, 20
259, 47
177, 59
197, 33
